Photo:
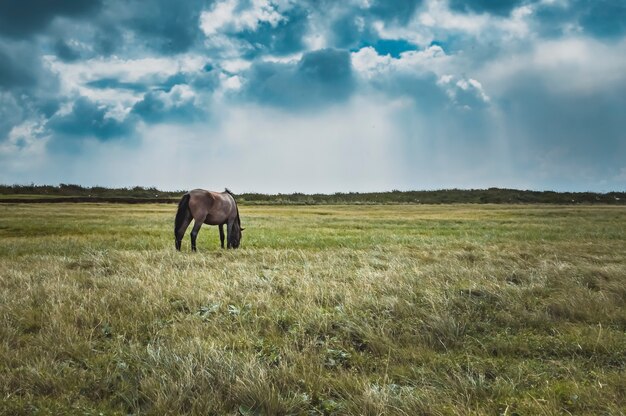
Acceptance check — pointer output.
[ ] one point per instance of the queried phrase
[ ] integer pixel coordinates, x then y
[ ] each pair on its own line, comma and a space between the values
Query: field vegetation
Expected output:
358, 310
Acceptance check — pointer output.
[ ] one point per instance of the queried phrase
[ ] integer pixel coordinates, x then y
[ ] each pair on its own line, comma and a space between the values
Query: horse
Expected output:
207, 207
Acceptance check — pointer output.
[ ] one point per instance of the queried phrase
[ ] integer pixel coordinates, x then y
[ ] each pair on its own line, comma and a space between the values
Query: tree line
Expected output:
77, 193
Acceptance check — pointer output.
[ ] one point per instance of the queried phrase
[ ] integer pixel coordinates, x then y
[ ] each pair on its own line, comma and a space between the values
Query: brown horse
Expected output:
207, 207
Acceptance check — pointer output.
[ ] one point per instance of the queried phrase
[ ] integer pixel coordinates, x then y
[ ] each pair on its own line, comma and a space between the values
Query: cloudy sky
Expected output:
314, 95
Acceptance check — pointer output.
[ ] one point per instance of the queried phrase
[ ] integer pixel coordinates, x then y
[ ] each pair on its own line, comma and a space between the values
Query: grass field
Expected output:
399, 310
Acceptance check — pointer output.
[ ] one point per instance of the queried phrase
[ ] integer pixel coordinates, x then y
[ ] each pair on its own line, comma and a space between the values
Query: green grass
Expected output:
398, 310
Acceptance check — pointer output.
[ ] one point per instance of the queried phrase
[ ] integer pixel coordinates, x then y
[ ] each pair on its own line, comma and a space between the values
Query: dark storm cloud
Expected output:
11, 113
353, 28
206, 80
399, 10
25, 17
161, 25
155, 108
320, 77
166, 26
355, 32
87, 119
604, 18
348, 32
107, 38
27, 89
65, 52
114, 83
326, 66
166, 102
19, 66
600, 18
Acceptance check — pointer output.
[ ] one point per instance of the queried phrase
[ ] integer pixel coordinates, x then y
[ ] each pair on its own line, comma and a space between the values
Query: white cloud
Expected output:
76, 76
287, 59
472, 84
220, 14
178, 96
369, 64
125, 70
464, 92
235, 65
24, 149
437, 15
232, 83
226, 15
435, 18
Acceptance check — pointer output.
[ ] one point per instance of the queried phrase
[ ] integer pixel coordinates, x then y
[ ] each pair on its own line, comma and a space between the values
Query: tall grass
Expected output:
324, 310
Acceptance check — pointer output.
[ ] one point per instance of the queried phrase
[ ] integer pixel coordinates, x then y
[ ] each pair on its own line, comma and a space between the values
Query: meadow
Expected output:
356, 310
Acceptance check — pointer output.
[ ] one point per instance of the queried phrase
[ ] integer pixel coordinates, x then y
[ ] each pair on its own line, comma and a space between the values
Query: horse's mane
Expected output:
228, 191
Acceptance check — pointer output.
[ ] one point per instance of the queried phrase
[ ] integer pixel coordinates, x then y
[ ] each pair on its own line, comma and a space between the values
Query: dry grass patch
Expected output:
325, 310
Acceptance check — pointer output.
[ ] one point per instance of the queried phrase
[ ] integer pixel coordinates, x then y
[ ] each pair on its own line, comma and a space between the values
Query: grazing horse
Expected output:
207, 207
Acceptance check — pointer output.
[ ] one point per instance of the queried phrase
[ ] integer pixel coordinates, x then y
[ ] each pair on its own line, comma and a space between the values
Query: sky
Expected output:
314, 95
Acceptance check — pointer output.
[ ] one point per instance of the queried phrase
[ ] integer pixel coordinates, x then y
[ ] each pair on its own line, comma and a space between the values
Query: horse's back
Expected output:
201, 195
212, 208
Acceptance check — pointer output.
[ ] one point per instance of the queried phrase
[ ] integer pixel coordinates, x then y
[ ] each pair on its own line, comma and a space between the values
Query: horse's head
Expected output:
237, 234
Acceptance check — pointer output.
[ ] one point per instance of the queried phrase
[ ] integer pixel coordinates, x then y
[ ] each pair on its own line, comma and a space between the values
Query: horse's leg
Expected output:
194, 233
222, 234
229, 229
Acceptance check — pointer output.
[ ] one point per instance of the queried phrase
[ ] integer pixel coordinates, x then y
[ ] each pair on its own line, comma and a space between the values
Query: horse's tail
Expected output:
181, 214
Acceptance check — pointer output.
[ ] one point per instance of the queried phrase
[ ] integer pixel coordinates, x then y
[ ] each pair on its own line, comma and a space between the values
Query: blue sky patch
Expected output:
393, 47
